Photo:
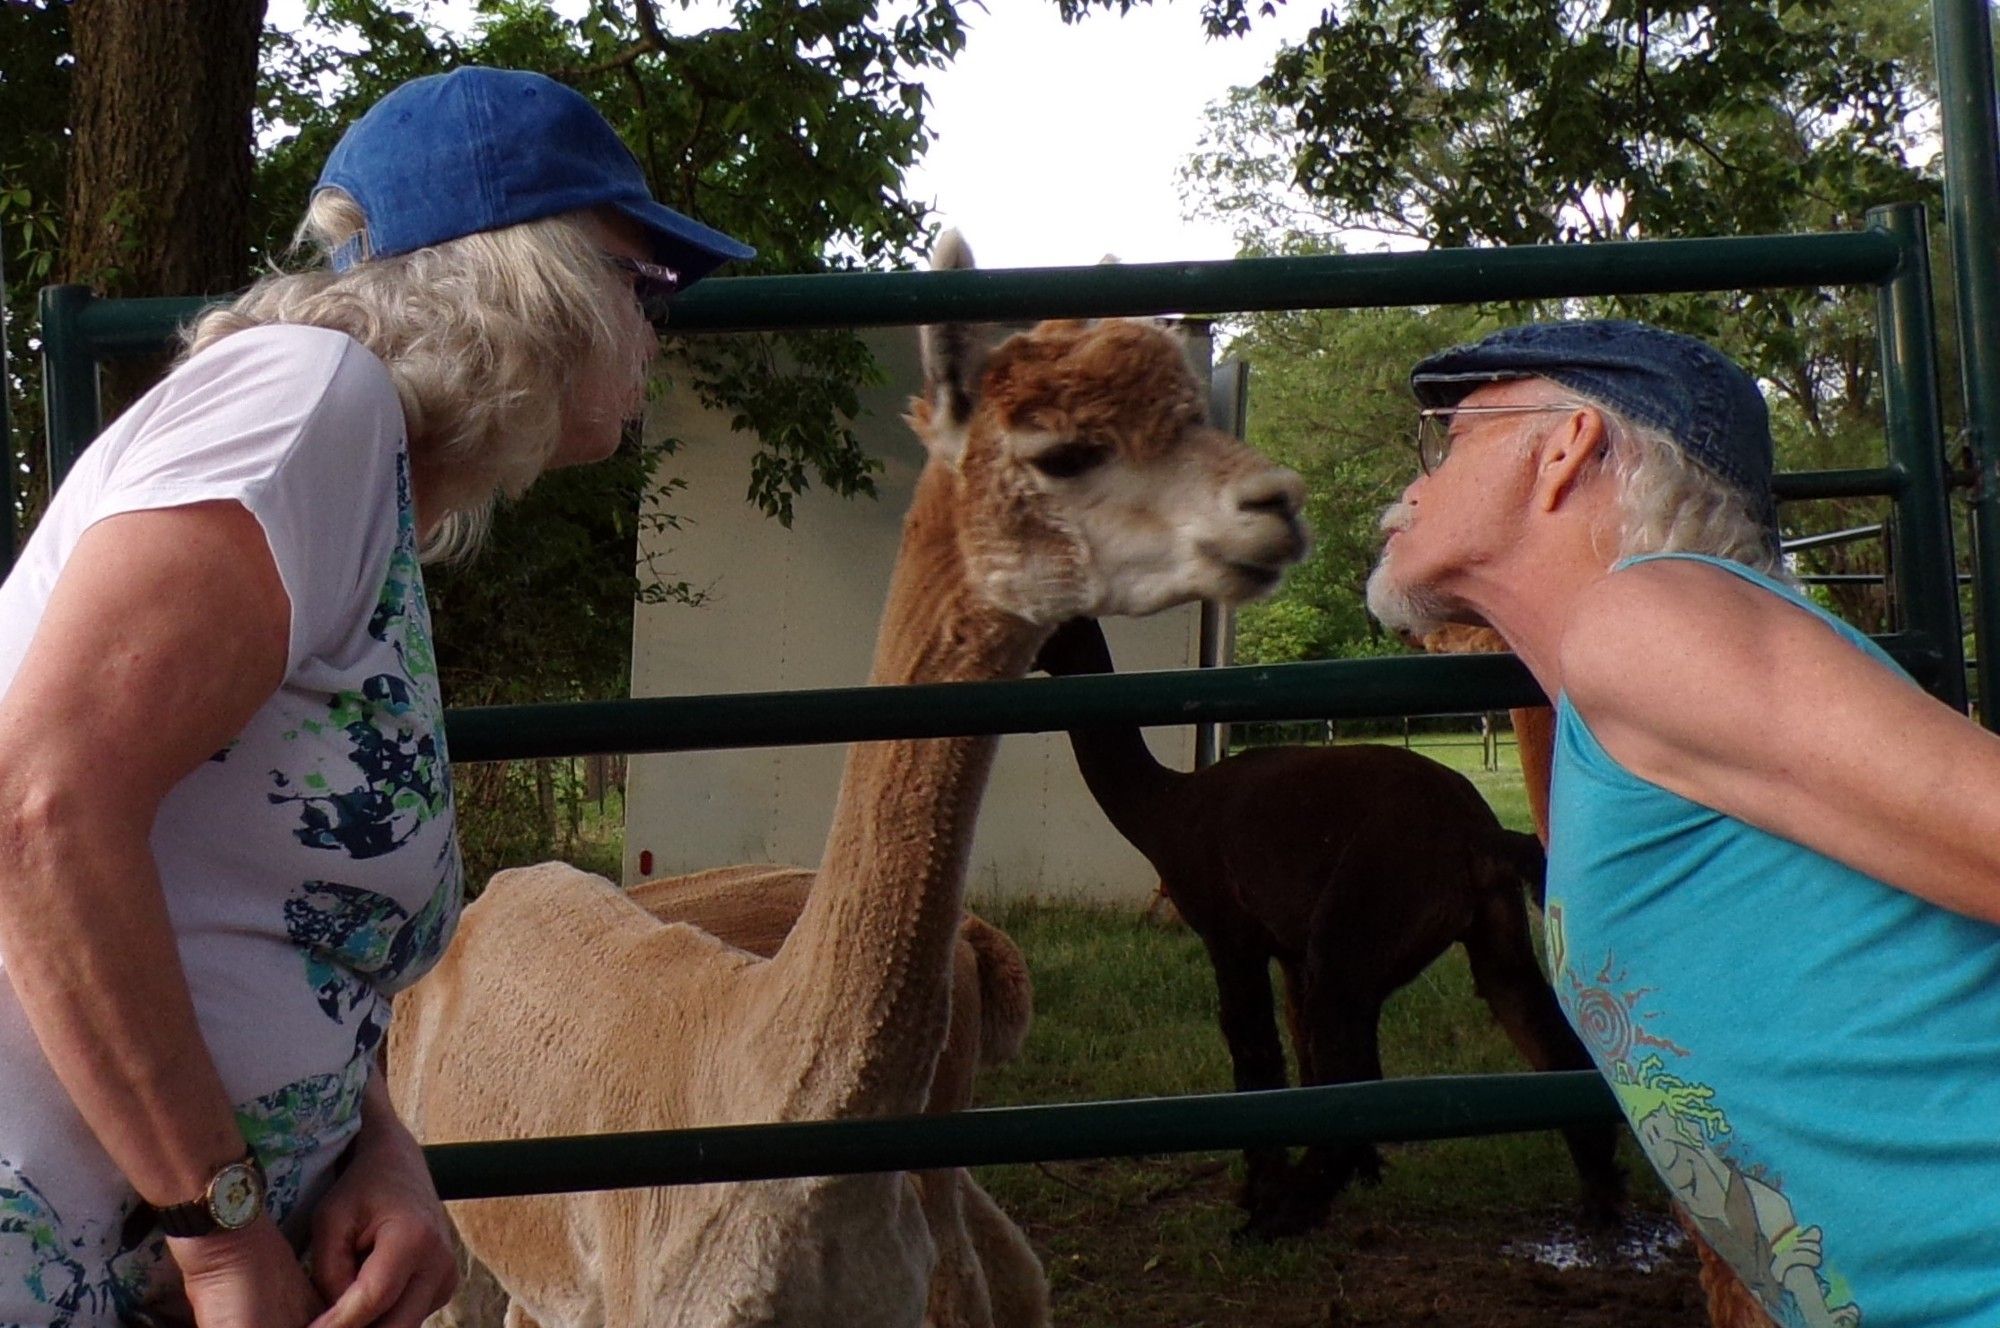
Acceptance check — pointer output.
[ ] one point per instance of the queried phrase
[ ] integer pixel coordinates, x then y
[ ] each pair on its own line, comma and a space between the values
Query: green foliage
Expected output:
1543, 121
1327, 398
1528, 121
34, 158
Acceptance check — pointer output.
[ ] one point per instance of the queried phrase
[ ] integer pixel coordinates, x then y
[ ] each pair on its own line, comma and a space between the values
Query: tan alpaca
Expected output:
983, 1260
1071, 473
985, 1270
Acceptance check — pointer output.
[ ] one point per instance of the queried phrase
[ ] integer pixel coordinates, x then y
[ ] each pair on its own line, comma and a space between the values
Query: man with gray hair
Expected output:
1774, 869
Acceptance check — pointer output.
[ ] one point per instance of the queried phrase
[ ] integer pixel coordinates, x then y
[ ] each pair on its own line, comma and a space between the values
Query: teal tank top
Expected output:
1810, 1058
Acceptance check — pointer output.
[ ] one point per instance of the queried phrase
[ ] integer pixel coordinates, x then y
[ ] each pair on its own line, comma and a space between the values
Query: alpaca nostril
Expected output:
1278, 493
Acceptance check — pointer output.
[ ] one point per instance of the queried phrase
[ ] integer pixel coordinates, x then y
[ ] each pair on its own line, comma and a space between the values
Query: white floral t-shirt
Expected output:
311, 866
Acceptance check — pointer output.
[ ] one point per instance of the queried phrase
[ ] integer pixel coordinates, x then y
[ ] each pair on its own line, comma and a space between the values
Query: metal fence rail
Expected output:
1390, 1111
1330, 689
80, 330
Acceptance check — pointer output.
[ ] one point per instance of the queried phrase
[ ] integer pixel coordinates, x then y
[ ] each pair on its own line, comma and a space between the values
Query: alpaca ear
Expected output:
954, 358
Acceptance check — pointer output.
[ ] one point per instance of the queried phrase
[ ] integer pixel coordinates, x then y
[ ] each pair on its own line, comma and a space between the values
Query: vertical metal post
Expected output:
1963, 30
1228, 408
1925, 573
70, 401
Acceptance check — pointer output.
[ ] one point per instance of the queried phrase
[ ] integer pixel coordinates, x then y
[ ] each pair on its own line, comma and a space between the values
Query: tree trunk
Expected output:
159, 182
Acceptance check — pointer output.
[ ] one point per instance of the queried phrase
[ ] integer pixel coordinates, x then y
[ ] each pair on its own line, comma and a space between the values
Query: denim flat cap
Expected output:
477, 149
1683, 387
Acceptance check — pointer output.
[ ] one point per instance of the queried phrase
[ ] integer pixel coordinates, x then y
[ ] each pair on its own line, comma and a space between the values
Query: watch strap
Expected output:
196, 1217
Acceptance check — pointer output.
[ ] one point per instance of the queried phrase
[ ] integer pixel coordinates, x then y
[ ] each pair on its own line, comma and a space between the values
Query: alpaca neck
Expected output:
871, 954
1127, 781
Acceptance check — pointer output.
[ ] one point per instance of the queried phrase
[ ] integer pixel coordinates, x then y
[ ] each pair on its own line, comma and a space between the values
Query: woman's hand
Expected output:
382, 1248
245, 1279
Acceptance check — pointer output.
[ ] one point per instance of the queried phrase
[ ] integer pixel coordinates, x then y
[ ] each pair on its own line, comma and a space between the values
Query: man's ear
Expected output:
1566, 456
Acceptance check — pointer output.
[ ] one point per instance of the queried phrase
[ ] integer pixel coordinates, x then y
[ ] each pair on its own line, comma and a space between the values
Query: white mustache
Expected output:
1397, 517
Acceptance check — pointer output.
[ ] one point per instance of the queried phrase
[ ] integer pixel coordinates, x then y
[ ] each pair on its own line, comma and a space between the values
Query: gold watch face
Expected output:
236, 1197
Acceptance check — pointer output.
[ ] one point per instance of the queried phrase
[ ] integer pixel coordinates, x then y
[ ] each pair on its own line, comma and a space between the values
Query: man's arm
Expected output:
1733, 698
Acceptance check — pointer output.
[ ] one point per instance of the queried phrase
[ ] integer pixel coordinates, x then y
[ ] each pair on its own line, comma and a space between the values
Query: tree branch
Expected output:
622, 60
652, 38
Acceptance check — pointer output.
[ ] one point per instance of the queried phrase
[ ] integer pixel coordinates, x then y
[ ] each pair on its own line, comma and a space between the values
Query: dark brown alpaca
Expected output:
1353, 868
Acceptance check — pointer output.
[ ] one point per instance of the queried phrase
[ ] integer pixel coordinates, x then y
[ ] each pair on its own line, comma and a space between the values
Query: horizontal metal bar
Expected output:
1336, 281
1339, 281
1392, 1111
1849, 536
112, 329
1329, 689
1877, 482
1863, 579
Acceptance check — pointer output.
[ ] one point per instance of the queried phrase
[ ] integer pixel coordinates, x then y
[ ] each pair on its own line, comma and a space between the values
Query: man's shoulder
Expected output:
1659, 623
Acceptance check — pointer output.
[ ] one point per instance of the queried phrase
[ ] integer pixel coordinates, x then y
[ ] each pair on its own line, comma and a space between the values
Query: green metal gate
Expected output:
80, 332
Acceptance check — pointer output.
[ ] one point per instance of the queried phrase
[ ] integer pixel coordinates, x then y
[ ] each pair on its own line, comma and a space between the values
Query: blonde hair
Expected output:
1670, 503
484, 336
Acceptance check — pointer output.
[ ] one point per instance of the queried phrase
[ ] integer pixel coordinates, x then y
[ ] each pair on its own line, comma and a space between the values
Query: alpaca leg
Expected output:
1015, 1282
1509, 980
479, 1301
958, 1293
1341, 1021
518, 1317
1313, 1185
1295, 1028
1250, 1028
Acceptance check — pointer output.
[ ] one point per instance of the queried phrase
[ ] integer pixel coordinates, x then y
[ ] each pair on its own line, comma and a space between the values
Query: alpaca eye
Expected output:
1066, 461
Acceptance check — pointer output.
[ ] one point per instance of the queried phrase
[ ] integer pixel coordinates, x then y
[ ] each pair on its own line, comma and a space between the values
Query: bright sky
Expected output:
1059, 144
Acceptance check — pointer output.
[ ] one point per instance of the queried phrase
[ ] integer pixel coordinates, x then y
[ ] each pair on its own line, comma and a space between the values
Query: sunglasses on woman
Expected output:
653, 285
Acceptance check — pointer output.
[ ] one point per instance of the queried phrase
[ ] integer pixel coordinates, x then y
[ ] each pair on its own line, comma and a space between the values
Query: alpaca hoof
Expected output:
1291, 1214
1602, 1207
1267, 1225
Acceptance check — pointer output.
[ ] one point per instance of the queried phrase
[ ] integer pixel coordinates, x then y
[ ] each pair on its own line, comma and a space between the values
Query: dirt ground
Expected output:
1468, 1268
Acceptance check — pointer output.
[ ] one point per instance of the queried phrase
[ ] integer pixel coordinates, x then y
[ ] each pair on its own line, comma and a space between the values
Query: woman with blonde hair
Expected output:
226, 824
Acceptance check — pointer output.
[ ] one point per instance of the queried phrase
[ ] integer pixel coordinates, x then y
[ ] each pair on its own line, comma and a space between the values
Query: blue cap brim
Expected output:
1434, 388
682, 243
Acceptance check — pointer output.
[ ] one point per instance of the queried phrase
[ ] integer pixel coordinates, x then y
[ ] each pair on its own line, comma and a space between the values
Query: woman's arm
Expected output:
165, 632
383, 1253
1737, 700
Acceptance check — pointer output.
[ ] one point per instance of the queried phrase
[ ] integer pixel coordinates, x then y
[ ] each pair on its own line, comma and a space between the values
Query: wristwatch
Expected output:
233, 1200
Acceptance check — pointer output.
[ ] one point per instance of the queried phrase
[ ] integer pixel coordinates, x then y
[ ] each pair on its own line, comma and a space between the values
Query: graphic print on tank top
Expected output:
1685, 1133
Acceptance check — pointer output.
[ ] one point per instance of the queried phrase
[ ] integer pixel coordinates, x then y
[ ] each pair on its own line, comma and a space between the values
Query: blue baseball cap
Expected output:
477, 149
1683, 387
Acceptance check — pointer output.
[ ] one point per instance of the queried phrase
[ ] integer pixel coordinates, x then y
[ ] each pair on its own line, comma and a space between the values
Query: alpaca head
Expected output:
1088, 480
